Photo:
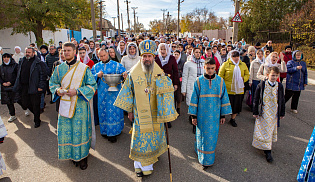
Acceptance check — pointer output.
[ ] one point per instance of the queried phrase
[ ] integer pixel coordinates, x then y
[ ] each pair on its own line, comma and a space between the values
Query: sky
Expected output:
149, 10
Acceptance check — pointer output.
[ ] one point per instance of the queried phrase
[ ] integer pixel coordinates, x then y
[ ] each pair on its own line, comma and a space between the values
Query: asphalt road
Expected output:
31, 154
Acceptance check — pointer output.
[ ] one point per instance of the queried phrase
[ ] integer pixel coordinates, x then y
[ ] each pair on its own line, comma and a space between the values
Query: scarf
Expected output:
7, 63
177, 60
237, 80
199, 63
165, 60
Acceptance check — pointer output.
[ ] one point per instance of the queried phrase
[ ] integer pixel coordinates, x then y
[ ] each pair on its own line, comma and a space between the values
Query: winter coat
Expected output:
170, 68
180, 66
128, 61
189, 78
8, 73
296, 78
50, 59
226, 72
254, 67
38, 76
259, 96
287, 57
263, 70
18, 56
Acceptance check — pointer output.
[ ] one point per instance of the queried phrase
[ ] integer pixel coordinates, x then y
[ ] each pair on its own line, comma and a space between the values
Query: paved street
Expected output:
31, 154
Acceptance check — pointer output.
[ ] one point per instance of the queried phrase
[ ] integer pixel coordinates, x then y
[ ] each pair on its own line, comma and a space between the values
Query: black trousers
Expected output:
32, 102
12, 108
295, 98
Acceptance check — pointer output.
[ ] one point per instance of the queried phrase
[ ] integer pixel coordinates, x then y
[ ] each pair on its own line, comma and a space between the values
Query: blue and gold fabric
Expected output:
147, 47
74, 134
307, 169
209, 102
111, 118
139, 95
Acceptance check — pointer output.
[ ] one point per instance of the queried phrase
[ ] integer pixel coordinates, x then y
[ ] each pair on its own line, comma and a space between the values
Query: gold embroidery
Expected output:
205, 152
210, 95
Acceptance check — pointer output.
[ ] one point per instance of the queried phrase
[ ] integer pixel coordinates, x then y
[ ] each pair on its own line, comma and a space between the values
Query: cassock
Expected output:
75, 128
151, 99
209, 102
307, 169
111, 118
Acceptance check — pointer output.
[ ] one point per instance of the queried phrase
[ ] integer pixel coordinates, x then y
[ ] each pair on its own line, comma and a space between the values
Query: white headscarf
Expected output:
237, 85
118, 48
268, 61
168, 53
18, 48
137, 52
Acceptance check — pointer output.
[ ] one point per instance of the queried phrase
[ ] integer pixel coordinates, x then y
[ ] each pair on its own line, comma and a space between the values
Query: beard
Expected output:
147, 68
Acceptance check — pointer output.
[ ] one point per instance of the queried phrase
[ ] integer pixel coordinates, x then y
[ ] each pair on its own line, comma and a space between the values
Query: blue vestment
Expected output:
307, 169
74, 134
209, 102
111, 118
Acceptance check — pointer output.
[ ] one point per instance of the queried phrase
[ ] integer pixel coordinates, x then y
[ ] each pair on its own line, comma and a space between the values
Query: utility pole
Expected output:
134, 19
101, 19
93, 19
114, 21
235, 24
122, 21
178, 16
128, 20
167, 21
138, 30
118, 18
163, 18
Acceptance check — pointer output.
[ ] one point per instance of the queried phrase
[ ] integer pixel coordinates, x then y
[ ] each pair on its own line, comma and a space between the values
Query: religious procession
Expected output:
157, 106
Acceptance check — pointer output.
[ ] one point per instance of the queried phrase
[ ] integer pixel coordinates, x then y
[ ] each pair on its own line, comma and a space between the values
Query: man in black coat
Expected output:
30, 82
51, 58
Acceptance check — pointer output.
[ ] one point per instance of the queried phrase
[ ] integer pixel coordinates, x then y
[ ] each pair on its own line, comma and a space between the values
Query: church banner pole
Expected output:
169, 154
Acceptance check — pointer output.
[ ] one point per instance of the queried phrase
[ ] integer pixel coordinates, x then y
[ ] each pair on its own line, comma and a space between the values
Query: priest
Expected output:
148, 97
111, 118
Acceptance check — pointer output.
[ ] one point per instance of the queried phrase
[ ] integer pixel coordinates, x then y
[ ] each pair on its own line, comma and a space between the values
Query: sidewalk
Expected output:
311, 77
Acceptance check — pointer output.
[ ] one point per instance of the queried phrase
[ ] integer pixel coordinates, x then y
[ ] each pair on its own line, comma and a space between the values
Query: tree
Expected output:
38, 15
262, 15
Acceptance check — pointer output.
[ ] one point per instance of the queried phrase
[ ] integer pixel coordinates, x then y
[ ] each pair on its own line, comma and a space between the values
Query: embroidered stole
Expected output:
146, 107
71, 80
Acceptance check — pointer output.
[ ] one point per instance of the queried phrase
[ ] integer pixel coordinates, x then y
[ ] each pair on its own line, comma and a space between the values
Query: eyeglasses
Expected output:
173, 46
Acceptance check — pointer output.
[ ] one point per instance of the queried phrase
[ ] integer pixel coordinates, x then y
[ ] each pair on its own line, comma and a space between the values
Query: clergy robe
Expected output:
209, 102
111, 118
147, 146
307, 169
75, 133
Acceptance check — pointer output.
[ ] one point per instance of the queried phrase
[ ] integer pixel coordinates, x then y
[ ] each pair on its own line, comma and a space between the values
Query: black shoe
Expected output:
42, 110
190, 120
112, 139
105, 136
269, 157
83, 164
194, 129
169, 125
75, 163
51, 102
139, 174
37, 125
233, 123
204, 167
178, 111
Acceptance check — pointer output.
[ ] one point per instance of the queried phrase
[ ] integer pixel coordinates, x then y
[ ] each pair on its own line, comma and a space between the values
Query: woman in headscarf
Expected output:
271, 61
296, 79
8, 74
169, 65
254, 67
113, 54
132, 56
121, 48
17, 54
235, 73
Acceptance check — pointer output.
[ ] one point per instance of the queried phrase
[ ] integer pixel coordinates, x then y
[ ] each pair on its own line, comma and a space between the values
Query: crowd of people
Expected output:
157, 74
